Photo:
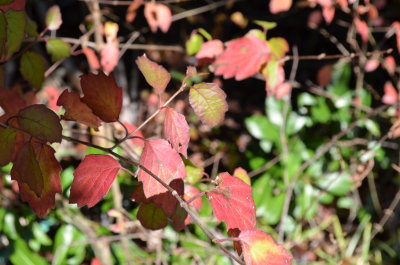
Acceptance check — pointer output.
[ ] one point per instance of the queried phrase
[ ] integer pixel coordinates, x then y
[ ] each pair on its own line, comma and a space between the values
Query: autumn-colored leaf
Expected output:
390, 64
166, 201
191, 192
391, 95
58, 49
208, 102
279, 47
32, 67
277, 6
40, 122
159, 157
91, 58
158, 16
7, 140
260, 249
155, 75
12, 30
151, 216
109, 56
53, 18
38, 175
242, 58
10, 101
76, 110
92, 179
16, 5
132, 10
371, 65
242, 174
362, 29
176, 130
396, 26
328, 13
210, 49
102, 95
232, 202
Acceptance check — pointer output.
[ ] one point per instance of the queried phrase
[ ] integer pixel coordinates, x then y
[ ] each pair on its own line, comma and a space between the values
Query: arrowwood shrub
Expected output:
168, 189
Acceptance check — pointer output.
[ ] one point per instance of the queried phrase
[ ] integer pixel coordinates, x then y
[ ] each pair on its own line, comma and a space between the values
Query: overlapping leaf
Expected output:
10, 101
38, 175
32, 67
155, 75
12, 28
102, 95
151, 216
232, 202
176, 130
7, 140
210, 49
93, 179
208, 102
159, 157
58, 49
242, 58
260, 249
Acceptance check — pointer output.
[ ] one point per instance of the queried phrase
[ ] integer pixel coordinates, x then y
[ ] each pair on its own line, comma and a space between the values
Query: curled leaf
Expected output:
158, 16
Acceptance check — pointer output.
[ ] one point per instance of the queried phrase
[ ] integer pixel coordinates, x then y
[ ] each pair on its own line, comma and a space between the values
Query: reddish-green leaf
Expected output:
151, 216
102, 95
32, 68
208, 102
10, 101
155, 75
279, 47
58, 49
38, 175
158, 16
159, 157
76, 110
40, 122
191, 192
233, 203
260, 249
53, 18
242, 174
16, 5
242, 58
7, 140
210, 49
12, 28
93, 179
176, 130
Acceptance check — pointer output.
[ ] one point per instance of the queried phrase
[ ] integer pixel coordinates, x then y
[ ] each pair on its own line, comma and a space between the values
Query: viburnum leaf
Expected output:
159, 157
260, 249
12, 29
58, 49
155, 75
277, 6
53, 18
208, 102
279, 47
242, 58
391, 95
151, 216
109, 56
76, 110
102, 95
93, 179
233, 203
38, 175
10, 101
40, 122
7, 140
176, 130
32, 67
158, 16
91, 58
210, 49
194, 43
191, 192
242, 174
16, 5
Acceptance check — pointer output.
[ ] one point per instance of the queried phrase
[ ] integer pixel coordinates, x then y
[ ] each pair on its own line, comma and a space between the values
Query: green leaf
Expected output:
155, 75
58, 49
63, 239
193, 44
23, 255
151, 216
53, 18
274, 110
32, 68
265, 24
193, 174
321, 112
261, 128
338, 184
12, 29
279, 47
205, 33
4, 2
40, 235
208, 102
7, 140
31, 28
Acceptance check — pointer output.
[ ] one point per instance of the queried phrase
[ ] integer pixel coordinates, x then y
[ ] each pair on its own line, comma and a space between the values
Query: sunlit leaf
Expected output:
155, 75
210, 49
58, 49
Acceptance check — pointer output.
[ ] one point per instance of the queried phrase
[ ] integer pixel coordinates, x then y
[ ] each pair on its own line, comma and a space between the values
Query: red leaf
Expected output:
131, 11
102, 95
158, 16
16, 5
93, 179
155, 75
91, 57
233, 203
109, 56
7, 140
159, 157
151, 216
76, 110
52, 94
391, 95
38, 175
176, 130
210, 49
328, 13
371, 65
362, 28
260, 249
40, 122
276, 6
190, 192
10, 101
242, 58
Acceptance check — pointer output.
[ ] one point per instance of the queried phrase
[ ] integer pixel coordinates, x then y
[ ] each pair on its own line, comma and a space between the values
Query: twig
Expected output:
265, 167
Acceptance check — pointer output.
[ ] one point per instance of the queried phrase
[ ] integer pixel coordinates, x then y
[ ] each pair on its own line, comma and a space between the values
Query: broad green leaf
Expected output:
261, 128
31, 27
321, 112
53, 18
7, 140
155, 75
32, 68
58, 49
40, 235
193, 44
23, 255
208, 102
151, 216
62, 243
12, 28
336, 183
279, 47
193, 174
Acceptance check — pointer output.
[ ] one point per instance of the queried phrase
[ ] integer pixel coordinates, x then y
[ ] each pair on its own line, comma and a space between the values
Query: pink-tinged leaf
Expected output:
232, 202
10, 101
362, 29
208, 102
176, 130
159, 157
314, 19
109, 56
91, 57
40, 122
390, 64
242, 174
38, 175
371, 65
151, 216
279, 47
102, 95
17, 5
210, 49
328, 13
76, 110
261, 249
242, 58
52, 94
191, 192
93, 179
391, 95
396, 26
7, 140
155, 75
283, 90
53, 18
277, 6
132, 10
136, 142
158, 16
275, 80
